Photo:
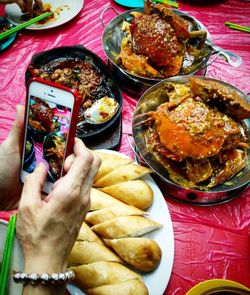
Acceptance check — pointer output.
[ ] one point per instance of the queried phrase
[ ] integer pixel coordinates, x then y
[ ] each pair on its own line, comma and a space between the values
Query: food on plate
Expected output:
129, 287
123, 173
77, 74
135, 192
156, 42
100, 200
142, 253
53, 152
109, 163
110, 267
86, 234
125, 226
101, 215
196, 134
85, 252
46, 7
41, 116
102, 110
102, 273
28, 148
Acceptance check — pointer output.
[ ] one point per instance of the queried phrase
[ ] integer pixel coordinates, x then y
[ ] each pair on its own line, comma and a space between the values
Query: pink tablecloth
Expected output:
210, 242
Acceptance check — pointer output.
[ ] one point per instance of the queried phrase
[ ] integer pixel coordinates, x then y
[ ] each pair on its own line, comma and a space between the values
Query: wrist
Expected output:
46, 264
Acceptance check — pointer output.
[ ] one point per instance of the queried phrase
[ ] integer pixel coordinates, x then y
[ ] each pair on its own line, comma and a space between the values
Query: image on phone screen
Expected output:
46, 136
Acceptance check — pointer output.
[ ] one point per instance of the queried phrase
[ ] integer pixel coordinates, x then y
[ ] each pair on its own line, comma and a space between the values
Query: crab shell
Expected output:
192, 129
201, 129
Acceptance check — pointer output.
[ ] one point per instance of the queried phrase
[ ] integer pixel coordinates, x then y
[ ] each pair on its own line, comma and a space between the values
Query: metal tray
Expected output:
219, 194
136, 85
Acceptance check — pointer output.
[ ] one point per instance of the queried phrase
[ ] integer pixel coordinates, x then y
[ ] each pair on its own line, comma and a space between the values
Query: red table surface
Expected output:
210, 242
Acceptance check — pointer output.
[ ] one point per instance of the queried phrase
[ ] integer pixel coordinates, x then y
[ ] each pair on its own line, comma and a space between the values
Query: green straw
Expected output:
237, 27
169, 2
7, 254
25, 24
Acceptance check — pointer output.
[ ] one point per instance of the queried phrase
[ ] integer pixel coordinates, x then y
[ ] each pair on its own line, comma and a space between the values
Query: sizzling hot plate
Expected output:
225, 191
69, 54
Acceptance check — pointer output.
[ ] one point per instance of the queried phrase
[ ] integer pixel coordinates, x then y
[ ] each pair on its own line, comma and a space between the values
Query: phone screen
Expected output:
46, 135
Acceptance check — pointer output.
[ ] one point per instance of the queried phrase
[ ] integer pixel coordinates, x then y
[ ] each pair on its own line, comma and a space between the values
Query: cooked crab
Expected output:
198, 130
156, 42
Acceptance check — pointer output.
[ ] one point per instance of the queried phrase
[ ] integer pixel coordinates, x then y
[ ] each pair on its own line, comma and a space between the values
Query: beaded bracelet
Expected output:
44, 278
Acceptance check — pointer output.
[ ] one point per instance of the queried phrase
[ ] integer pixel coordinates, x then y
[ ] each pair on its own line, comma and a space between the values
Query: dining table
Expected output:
210, 242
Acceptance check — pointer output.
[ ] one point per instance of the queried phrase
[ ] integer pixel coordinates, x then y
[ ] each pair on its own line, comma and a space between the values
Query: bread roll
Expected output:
87, 234
125, 226
102, 273
105, 214
130, 287
121, 174
135, 193
100, 200
85, 252
109, 163
142, 253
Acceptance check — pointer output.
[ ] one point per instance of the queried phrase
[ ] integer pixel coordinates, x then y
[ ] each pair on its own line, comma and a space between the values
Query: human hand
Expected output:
25, 5
10, 159
47, 228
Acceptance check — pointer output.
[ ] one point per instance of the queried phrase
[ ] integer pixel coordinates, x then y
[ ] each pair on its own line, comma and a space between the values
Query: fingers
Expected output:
33, 184
68, 162
89, 179
82, 162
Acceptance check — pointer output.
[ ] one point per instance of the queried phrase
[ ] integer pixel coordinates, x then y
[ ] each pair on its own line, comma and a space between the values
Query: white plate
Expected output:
157, 280
70, 8
16, 263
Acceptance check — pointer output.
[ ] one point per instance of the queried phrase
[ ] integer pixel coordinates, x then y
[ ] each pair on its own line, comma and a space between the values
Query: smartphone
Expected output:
50, 126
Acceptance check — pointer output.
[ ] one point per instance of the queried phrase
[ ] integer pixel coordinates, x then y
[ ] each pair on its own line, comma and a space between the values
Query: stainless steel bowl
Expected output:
221, 193
136, 85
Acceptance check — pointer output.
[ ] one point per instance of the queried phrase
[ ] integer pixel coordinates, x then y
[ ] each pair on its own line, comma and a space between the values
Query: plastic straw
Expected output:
237, 27
7, 254
25, 24
169, 2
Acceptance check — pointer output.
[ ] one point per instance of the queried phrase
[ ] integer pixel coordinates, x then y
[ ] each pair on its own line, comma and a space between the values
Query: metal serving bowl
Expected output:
221, 193
66, 54
136, 85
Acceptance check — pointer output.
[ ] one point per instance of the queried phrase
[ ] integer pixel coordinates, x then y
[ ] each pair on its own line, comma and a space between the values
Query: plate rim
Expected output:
55, 24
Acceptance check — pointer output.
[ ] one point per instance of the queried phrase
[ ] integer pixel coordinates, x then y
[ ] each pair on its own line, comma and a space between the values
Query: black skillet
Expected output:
80, 53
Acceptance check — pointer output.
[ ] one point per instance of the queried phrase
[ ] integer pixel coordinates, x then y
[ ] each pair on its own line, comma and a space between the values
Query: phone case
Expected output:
74, 112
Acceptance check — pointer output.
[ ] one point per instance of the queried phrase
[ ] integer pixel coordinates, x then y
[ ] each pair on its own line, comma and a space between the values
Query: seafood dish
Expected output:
197, 132
159, 44
80, 74
41, 117
53, 153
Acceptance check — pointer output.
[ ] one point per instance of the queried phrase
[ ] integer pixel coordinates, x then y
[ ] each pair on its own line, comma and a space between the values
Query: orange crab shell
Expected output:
194, 130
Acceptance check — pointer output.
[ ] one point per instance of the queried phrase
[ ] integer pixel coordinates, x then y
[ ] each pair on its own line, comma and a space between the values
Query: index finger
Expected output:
81, 163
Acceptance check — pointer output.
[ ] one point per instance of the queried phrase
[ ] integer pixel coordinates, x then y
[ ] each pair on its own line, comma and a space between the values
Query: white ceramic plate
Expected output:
69, 9
16, 263
157, 280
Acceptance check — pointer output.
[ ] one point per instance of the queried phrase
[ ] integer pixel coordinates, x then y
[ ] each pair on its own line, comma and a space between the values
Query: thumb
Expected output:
32, 189
16, 134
